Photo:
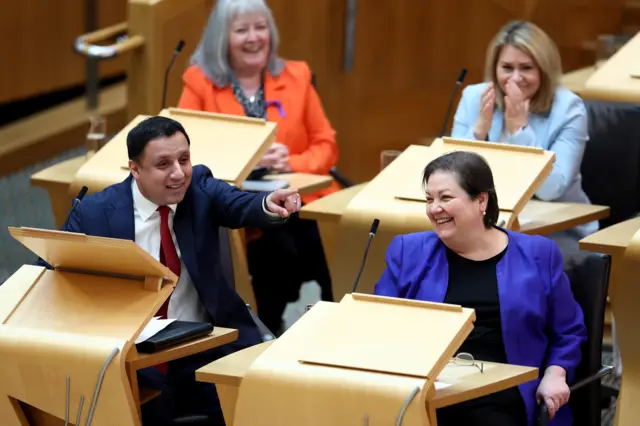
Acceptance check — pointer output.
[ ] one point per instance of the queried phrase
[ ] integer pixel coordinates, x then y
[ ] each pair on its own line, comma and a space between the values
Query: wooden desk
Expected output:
220, 336
466, 382
137, 361
57, 178
613, 81
624, 295
538, 217
577, 80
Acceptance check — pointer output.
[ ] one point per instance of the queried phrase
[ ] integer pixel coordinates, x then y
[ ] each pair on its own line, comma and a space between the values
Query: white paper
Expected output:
441, 385
524, 220
154, 327
264, 185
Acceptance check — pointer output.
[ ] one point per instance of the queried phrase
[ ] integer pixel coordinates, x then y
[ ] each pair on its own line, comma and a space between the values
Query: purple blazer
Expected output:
542, 324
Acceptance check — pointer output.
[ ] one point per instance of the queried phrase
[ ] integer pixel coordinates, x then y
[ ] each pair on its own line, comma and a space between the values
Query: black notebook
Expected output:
174, 334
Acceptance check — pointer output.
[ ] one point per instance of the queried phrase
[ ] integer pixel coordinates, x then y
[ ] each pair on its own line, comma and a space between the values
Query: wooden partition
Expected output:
36, 44
162, 24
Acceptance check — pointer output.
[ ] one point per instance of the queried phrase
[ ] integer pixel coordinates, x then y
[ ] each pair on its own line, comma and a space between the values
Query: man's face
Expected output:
163, 171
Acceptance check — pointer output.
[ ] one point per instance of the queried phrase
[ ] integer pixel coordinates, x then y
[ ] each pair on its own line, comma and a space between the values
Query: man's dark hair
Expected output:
149, 129
473, 175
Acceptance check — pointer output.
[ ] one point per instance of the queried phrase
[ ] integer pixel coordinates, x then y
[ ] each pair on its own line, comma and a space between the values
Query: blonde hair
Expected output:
533, 41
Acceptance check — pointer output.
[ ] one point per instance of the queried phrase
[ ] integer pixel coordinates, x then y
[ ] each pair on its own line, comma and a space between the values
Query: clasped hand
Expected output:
283, 202
553, 389
276, 158
516, 107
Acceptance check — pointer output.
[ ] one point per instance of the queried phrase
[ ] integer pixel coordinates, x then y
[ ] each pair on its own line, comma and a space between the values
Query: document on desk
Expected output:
523, 221
441, 385
264, 185
155, 326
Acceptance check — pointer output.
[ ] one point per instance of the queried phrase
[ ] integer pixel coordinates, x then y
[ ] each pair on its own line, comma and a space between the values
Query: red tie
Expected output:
169, 258
168, 253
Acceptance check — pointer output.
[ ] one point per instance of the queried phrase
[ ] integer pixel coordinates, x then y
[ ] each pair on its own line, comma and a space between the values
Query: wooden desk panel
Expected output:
615, 80
620, 241
466, 383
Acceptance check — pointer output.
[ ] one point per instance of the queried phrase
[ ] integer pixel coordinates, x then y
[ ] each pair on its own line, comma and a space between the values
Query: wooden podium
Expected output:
395, 196
622, 242
366, 360
231, 146
65, 334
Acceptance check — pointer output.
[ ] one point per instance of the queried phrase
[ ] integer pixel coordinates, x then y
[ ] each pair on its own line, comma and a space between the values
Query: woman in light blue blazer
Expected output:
522, 104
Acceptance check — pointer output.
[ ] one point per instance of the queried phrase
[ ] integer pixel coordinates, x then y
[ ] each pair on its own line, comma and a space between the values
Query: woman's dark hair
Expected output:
474, 177
149, 129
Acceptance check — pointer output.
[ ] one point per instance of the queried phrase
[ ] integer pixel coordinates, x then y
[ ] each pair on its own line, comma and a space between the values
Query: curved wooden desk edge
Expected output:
218, 337
570, 216
227, 374
613, 239
495, 378
230, 369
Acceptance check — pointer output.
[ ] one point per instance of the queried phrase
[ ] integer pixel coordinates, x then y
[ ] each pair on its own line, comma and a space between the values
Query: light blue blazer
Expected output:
563, 130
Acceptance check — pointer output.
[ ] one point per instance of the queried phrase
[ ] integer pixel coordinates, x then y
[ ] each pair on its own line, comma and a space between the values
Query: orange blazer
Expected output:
304, 128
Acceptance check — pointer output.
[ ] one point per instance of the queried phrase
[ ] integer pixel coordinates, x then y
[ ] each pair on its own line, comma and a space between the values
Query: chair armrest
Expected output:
543, 412
340, 178
607, 369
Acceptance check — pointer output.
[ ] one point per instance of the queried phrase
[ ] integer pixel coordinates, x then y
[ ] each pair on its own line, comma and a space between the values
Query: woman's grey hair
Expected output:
212, 53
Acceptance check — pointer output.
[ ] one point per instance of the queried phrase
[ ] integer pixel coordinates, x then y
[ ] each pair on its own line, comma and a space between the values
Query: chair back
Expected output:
589, 277
610, 166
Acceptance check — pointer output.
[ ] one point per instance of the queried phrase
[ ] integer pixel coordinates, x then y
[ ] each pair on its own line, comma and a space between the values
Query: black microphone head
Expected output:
463, 74
82, 193
374, 226
180, 46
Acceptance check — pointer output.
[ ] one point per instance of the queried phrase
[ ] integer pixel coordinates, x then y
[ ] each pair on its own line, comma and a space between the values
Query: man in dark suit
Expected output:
173, 211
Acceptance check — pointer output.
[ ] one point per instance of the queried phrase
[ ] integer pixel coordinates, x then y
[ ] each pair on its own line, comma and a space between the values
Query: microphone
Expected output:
166, 73
76, 201
463, 74
372, 233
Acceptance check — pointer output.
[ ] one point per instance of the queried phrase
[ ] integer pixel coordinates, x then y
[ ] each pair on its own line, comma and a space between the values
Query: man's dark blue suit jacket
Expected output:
208, 204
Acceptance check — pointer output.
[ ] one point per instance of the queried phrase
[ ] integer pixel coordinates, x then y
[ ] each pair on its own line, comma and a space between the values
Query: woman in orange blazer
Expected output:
235, 70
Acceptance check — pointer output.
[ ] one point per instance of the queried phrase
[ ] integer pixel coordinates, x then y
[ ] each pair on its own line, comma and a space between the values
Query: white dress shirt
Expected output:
185, 303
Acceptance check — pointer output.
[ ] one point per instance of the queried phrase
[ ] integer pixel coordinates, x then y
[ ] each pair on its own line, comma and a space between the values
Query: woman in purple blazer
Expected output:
525, 311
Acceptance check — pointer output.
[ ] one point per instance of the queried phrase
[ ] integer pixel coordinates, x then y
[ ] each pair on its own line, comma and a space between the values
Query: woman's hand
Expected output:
553, 389
276, 158
516, 108
487, 106
282, 164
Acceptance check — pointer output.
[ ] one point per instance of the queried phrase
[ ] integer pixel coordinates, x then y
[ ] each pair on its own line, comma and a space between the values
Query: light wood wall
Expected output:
408, 54
36, 41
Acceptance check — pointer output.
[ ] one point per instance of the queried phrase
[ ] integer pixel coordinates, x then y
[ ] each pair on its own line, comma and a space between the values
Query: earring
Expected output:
484, 213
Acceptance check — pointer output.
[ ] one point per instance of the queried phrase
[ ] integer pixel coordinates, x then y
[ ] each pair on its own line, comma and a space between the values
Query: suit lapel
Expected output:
227, 103
120, 212
183, 228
